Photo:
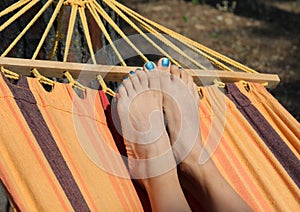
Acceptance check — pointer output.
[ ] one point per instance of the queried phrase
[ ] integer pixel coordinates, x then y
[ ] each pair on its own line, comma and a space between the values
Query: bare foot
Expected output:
150, 156
180, 104
141, 115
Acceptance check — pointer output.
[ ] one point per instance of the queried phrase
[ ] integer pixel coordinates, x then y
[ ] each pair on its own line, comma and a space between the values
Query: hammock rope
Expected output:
87, 33
18, 14
106, 34
180, 37
70, 30
104, 87
140, 24
149, 28
14, 7
103, 14
9, 74
49, 25
18, 38
42, 79
134, 26
73, 82
126, 14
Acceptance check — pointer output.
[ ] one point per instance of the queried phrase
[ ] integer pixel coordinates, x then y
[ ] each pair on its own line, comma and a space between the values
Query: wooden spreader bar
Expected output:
86, 72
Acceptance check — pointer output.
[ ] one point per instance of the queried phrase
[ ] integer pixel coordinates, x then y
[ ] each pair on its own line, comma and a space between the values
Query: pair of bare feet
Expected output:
158, 110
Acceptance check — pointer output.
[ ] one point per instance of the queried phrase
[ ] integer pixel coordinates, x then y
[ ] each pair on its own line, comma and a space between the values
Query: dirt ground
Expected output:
268, 42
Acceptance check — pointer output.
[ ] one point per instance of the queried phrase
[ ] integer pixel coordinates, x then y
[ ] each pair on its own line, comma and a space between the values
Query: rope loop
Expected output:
104, 87
219, 83
200, 92
9, 74
41, 78
73, 82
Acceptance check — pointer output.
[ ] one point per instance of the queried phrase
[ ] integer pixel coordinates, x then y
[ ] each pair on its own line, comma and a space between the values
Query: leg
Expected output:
204, 181
150, 156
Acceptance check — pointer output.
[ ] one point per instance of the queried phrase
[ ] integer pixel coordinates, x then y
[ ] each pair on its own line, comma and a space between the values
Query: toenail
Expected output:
179, 68
150, 66
121, 85
126, 78
165, 62
138, 69
131, 72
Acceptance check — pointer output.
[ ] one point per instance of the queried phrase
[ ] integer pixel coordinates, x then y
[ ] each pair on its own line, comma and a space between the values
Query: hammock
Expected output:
60, 149
57, 149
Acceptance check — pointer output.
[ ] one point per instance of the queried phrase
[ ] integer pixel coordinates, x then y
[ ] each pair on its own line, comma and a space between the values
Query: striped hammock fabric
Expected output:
58, 148
258, 153
43, 165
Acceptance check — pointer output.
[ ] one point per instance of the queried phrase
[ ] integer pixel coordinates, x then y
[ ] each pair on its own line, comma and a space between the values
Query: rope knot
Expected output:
79, 3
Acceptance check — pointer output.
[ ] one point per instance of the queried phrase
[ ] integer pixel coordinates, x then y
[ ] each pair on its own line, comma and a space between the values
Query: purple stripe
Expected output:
278, 147
27, 104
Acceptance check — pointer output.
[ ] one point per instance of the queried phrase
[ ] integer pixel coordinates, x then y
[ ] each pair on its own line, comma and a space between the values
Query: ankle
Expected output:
193, 169
151, 167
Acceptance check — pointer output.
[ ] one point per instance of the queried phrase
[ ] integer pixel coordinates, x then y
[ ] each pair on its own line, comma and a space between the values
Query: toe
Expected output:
165, 81
128, 86
184, 76
143, 79
164, 64
150, 66
175, 70
190, 82
153, 80
195, 92
136, 84
191, 85
122, 91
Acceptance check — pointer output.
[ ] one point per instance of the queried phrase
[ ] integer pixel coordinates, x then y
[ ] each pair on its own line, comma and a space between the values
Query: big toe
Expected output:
164, 64
150, 66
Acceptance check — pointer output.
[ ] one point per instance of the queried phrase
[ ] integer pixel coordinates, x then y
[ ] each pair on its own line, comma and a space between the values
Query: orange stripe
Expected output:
226, 166
133, 200
123, 183
98, 149
130, 191
242, 183
249, 187
61, 142
117, 179
252, 141
231, 174
37, 155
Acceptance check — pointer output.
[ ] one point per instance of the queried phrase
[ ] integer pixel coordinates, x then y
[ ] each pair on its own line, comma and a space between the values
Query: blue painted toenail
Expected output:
165, 62
179, 68
121, 85
138, 69
126, 78
150, 66
131, 72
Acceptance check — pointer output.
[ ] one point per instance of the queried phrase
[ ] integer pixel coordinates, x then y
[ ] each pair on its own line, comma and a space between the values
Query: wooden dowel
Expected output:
86, 72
